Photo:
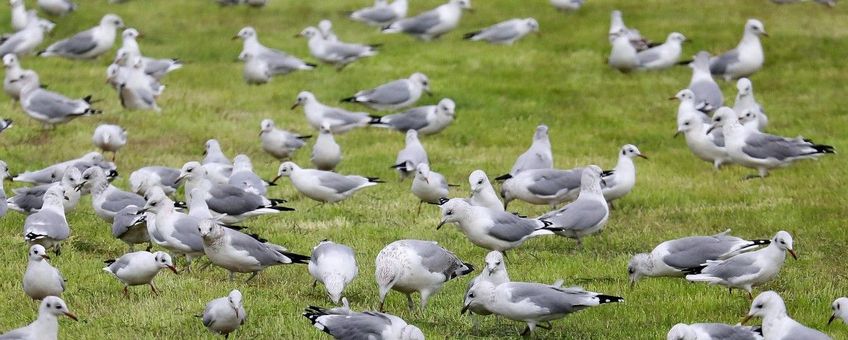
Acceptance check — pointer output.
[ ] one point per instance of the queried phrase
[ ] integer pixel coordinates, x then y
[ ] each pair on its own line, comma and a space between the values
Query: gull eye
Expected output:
450, 212
58, 306
48, 305
471, 295
630, 270
498, 263
687, 123
480, 182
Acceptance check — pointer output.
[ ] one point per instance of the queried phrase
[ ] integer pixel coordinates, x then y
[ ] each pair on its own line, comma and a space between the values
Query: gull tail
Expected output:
375, 120
278, 208
296, 258
470, 35
602, 299
821, 148
685, 62
180, 204
313, 313
464, 270
308, 66
606, 173
503, 177
304, 137
390, 29
374, 180
351, 99
276, 201
31, 236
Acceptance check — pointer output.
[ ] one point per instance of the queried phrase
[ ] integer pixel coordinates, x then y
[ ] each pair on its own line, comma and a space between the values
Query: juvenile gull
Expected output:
505, 33
279, 143
743, 271
662, 56
41, 279
324, 186
744, 60
409, 266
712, 331
482, 192
334, 265
225, 314
431, 24
623, 56
277, 60
673, 257
57, 7
48, 227
745, 104
410, 156
344, 324
708, 96
88, 44
492, 229
381, 13
50, 108
106, 199
542, 186
396, 94
429, 186
538, 156
30, 199
694, 124
427, 120
326, 153
340, 120
777, 324
46, 326
840, 310
109, 138
588, 214
621, 180
129, 225
139, 268
336, 53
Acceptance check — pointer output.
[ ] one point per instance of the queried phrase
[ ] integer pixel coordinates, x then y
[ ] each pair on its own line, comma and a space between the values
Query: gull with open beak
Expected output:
777, 324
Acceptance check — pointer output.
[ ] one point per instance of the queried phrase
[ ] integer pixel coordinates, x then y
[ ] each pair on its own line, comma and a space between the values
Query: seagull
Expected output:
47, 324
538, 156
276, 60
41, 279
213, 154
156, 68
88, 44
588, 214
243, 176
505, 33
225, 314
708, 97
129, 225
238, 252
106, 199
762, 151
743, 271
323, 186
171, 229
279, 143
325, 26
776, 323
381, 13
746, 105
19, 14
55, 172
410, 156
344, 324
663, 56
336, 53
492, 229
693, 124
482, 192
340, 120
431, 24
673, 257
542, 186
623, 56
57, 7
139, 268
138, 90
13, 72
50, 108
427, 120
334, 265
409, 266
494, 272
48, 227
394, 95
326, 153
258, 71
567, 5
711, 331
840, 310
617, 25
744, 60
621, 180
109, 138
164, 177
533, 303
30, 199
5, 123
429, 186
25, 41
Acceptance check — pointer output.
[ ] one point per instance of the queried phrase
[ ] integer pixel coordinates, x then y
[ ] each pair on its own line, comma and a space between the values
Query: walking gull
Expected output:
344, 324
109, 138
46, 326
19, 14
335, 53
505, 33
621, 180
433, 23
673, 257
538, 156
427, 120
745, 270
840, 310
324, 186
662, 56
48, 227
776, 323
396, 94
745, 105
41, 279
106, 199
762, 151
708, 97
88, 44
712, 331
588, 214
409, 266
482, 192
139, 268
340, 120
410, 156
50, 108
279, 143
225, 314
278, 61
542, 186
334, 265
744, 60
129, 225
57, 7
326, 153
694, 124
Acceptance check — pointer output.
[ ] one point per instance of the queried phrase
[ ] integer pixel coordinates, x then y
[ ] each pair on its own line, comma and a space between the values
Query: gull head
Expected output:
747, 116
55, 194
744, 87
286, 169
464, 4
767, 303
541, 132
840, 310
423, 171
684, 95
191, 170
783, 241
310, 32
453, 211
422, 80
682, 332
676, 37
478, 180
245, 33
494, 262
638, 266
156, 200
755, 27
325, 128
37, 253
29, 79
211, 145
267, 125
447, 107
723, 116
532, 24
686, 124
56, 306
46, 25
163, 260
701, 61
112, 20
210, 230
130, 33
303, 98
630, 151
477, 295
411, 136
234, 299
71, 178
242, 161
590, 179
92, 176
10, 60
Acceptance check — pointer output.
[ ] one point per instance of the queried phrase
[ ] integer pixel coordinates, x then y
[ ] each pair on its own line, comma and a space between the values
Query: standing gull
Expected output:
410, 156
156, 68
171, 229
326, 153
109, 138
258, 71
5, 123
744, 60
41, 279
88, 44
777, 324
48, 227
129, 225
410, 266
427, 120
745, 104
494, 272
243, 176
276, 60
164, 177
213, 154
396, 94
325, 26
225, 314
538, 156
139, 268
50, 108
336, 53
712, 331
542, 186
340, 120
46, 326
662, 56
344, 324
633, 35
106, 199
505, 33
694, 124
324, 186
588, 214
25, 41
57, 7
482, 192
621, 180
433, 23
708, 97
334, 265
623, 56
279, 143
381, 13
429, 186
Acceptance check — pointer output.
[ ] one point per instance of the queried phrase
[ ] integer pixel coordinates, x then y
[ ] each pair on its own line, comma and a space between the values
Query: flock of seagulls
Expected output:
220, 193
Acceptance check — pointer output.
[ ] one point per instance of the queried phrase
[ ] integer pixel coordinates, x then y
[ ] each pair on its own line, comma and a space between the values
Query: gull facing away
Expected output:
336, 53
46, 326
777, 324
324, 186
505, 33
694, 124
156, 68
238, 252
48, 227
394, 95
50, 108
494, 272
482, 192
326, 153
409, 266
542, 186
163, 177
212, 153
244, 178
381, 13
621, 180
410, 156
746, 105
55, 172
710, 331
429, 186
671, 258
139, 268
632, 34
762, 151
88, 44
585, 216
431, 24
744, 60
325, 26
840, 310
708, 96
41, 279
225, 314
106, 199
276, 60
340, 120
129, 225
538, 156
57, 7
427, 120
743, 271
663, 56
279, 143
334, 265
533, 303
623, 56
136, 89
109, 138
25, 41
492, 229
257, 71
344, 324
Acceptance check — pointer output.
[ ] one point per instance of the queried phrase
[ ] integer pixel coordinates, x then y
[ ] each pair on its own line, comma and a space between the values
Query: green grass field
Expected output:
502, 93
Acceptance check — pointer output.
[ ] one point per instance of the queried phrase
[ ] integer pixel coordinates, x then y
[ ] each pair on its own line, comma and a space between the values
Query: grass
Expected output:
502, 93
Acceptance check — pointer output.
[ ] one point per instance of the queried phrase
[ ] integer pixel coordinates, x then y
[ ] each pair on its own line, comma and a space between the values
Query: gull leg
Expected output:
314, 283
149, 246
232, 276
419, 209
204, 266
409, 303
251, 277
126, 292
381, 306
153, 288
526, 331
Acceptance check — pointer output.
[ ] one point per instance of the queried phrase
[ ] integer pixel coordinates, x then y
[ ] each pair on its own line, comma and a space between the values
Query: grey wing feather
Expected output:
120, 263
648, 56
260, 251
29, 198
420, 24
413, 119
168, 176
368, 325
727, 332
511, 228
806, 333
48, 222
233, 200
52, 105
499, 32
340, 183
550, 181
718, 137
377, 14
344, 116
580, 214
185, 230
719, 64
78, 44
694, 251
390, 93
118, 200
707, 92
733, 267
761, 145
555, 300
435, 258
9, 45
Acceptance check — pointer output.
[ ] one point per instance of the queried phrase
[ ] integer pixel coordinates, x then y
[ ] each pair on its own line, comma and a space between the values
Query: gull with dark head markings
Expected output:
495, 273
538, 156
344, 324
171, 229
694, 124
336, 53
482, 192
746, 106
50, 108
662, 56
279, 143
840, 310
618, 182
396, 94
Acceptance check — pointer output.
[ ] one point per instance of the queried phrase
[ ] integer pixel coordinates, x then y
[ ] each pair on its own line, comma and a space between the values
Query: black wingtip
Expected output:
276, 201
296, 258
311, 65
443, 200
348, 99
470, 35
694, 270
304, 137
375, 180
609, 298
375, 120
41, 52
87, 99
110, 261
375, 46
180, 204
821, 148
503, 177
255, 237
280, 208
606, 173
385, 27
760, 242
684, 62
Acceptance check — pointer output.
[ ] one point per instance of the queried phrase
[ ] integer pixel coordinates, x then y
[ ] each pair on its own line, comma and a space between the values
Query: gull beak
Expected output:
72, 316
143, 210
672, 98
676, 134
832, 317
173, 269
296, 104
274, 181
181, 178
792, 252
78, 187
441, 224
765, 34
745, 319
712, 127
45, 256
67, 199
642, 156
464, 309
234, 37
